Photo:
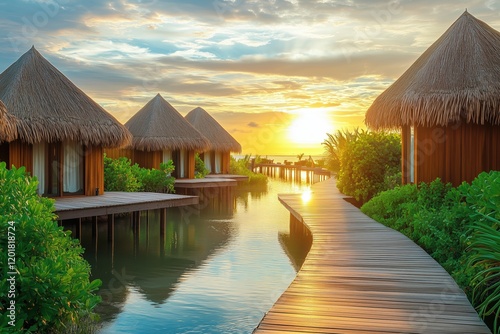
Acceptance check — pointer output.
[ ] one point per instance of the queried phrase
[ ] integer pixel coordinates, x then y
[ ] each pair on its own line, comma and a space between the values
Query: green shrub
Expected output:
240, 167
434, 216
458, 227
200, 170
121, 175
51, 284
394, 208
483, 198
367, 163
335, 143
157, 180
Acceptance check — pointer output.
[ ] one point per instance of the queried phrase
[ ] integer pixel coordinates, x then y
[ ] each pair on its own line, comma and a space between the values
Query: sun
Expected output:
310, 127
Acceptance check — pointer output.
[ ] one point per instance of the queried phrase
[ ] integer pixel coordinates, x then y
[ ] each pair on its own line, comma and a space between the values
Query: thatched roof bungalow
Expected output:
448, 106
217, 158
61, 132
160, 133
8, 125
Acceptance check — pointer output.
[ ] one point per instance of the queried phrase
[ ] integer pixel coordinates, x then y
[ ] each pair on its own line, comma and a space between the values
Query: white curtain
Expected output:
39, 165
218, 162
182, 164
208, 163
167, 155
73, 167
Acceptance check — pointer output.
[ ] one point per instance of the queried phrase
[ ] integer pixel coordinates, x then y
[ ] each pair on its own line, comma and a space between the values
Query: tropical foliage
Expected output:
200, 170
241, 167
459, 227
369, 164
336, 143
484, 201
50, 285
121, 175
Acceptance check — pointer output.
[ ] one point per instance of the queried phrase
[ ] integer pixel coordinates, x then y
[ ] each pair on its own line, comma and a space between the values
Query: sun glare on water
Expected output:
310, 127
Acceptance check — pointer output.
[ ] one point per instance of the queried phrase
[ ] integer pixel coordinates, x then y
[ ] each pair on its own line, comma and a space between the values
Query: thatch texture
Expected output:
457, 79
158, 126
51, 108
220, 139
8, 125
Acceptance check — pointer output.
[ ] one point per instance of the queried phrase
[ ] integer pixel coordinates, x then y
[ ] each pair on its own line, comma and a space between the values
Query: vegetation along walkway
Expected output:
362, 277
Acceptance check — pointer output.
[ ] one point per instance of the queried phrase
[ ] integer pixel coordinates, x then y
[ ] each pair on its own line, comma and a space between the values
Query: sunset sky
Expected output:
277, 74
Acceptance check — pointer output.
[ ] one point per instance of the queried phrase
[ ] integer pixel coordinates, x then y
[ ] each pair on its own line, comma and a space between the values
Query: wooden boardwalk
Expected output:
208, 182
117, 202
238, 178
362, 277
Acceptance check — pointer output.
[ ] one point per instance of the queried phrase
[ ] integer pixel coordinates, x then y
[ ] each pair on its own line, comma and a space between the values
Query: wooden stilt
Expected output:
78, 233
163, 223
111, 227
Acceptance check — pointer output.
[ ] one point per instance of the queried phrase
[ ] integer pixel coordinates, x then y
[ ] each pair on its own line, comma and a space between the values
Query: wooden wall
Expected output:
94, 170
21, 154
148, 159
154, 158
226, 159
455, 153
190, 165
115, 153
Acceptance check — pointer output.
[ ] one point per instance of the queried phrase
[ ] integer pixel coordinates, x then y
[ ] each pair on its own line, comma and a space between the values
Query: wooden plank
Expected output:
362, 277
227, 176
210, 182
117, 202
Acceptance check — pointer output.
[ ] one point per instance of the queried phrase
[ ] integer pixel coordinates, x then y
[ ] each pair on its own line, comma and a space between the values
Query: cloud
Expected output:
249, 62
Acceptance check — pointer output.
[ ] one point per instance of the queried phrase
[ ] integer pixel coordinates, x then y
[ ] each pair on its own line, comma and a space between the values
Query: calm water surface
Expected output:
220, 268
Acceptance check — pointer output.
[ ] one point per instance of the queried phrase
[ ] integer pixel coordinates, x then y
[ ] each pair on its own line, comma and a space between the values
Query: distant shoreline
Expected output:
281, 157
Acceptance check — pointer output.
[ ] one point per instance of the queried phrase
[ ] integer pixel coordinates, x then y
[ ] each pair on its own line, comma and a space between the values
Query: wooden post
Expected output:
94, 227
95, 235
78, 233
405, 154
138, 224
111, 237
137, 229
163, 222
111, 227
147, 231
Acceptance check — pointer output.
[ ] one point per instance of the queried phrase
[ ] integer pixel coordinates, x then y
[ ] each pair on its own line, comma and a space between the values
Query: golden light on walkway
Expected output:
306, 195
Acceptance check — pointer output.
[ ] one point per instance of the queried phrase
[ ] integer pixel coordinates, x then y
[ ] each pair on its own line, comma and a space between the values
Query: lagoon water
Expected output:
220, 268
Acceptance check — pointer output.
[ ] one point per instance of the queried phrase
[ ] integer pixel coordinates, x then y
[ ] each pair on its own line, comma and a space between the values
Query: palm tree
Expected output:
335, 143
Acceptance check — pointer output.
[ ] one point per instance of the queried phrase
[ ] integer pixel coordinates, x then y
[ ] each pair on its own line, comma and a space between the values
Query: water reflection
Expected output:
141, 261
218, 268
296, 243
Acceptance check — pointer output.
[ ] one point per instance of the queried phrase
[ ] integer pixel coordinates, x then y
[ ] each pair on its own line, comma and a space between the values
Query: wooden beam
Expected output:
111, 227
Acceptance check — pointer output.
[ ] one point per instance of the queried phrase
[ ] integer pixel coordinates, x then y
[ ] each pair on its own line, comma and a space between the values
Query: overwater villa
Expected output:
160, 134
448, 106
218, 156
8, 126
61, 132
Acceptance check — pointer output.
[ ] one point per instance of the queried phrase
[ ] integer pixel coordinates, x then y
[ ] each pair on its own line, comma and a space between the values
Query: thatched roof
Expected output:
220, 139
8, 124
158, 126
51, 108
456, 79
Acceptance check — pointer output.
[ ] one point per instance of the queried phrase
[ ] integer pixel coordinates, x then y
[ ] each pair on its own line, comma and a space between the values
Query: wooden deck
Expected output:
227, 176
117, 202
211, 182
362, 277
